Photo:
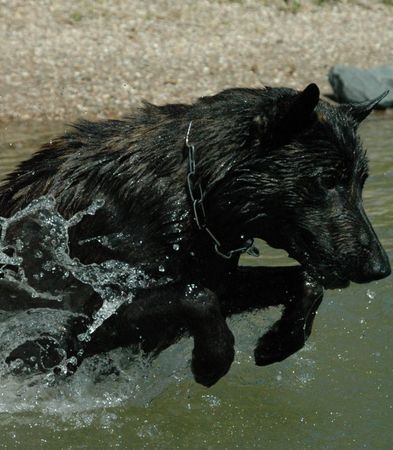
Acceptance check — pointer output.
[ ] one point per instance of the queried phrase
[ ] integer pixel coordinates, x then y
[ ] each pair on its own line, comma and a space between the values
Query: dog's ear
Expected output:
291, 116
300, 112
359, 111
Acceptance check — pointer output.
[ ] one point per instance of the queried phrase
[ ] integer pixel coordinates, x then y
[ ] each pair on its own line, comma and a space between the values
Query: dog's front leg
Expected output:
260, 287
290, 333
156, 317
213, 351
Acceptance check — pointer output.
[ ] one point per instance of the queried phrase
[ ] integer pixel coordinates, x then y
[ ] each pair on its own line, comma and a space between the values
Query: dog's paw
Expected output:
275, 347
208, 369
212, 362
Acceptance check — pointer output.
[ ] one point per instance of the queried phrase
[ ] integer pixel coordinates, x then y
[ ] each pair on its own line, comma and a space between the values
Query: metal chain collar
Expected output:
196, 195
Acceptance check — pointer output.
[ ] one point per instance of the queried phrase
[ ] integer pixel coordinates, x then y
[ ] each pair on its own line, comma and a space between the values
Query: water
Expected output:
334, 394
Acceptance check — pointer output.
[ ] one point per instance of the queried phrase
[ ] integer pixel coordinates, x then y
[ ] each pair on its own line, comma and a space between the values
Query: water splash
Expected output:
40, 277
42, 267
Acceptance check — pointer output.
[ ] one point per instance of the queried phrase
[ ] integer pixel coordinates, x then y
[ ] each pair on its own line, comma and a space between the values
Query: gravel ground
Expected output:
98, 58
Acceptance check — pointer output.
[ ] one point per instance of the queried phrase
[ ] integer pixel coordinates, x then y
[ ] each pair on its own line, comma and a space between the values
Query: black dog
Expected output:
185, 189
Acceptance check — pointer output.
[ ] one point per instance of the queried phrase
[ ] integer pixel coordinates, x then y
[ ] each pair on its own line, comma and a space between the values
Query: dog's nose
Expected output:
373, 262
376, 268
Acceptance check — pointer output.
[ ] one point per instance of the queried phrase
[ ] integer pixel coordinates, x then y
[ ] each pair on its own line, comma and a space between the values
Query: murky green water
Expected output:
337, 393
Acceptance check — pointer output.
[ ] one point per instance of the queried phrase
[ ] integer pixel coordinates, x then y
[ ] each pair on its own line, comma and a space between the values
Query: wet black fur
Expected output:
273, 163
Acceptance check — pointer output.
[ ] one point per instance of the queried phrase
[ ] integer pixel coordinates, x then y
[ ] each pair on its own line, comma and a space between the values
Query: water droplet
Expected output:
72, 360
84, 337
161, 268
176, 247
370, 294
212, 400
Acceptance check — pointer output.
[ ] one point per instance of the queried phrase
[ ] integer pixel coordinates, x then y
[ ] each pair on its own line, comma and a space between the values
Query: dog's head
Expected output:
308, 200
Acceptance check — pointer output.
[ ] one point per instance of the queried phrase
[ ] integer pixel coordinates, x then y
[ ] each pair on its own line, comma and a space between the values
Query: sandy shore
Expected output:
61, 60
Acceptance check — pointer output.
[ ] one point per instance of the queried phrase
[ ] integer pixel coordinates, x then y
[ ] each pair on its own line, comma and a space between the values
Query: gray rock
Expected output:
353, 85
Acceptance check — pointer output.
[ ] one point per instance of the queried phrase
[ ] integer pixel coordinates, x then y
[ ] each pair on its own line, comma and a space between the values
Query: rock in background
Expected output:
353, 85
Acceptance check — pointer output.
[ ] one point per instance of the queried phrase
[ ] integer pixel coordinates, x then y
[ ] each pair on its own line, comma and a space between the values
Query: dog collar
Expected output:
196, 195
